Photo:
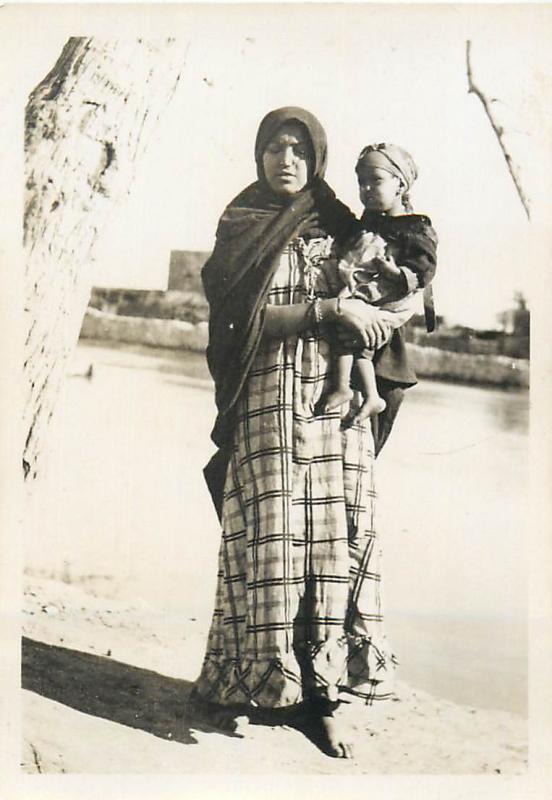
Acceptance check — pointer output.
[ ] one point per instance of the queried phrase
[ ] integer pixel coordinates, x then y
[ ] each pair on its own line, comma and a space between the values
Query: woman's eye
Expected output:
300, 152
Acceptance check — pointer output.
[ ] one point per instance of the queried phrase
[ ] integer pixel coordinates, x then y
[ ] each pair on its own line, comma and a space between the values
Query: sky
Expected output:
370, 73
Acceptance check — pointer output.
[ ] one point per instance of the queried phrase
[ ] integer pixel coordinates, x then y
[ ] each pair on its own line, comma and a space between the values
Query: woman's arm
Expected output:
362, 321
283, 321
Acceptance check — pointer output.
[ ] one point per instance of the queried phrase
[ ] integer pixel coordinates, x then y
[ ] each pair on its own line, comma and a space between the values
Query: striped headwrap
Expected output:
392, 158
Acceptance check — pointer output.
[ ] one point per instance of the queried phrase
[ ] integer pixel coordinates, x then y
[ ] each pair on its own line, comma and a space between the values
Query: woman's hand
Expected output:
358, 323
361, 324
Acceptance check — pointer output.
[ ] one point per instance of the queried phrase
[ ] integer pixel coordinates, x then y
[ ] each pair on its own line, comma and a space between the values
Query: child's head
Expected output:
385, 175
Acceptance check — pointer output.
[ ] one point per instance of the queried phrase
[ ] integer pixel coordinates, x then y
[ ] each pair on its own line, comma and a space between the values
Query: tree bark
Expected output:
86, 126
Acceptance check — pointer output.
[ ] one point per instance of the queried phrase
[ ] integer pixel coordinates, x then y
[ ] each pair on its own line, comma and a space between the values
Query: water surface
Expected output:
126, 500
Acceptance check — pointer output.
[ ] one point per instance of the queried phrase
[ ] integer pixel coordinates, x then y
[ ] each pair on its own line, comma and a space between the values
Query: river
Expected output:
125, 500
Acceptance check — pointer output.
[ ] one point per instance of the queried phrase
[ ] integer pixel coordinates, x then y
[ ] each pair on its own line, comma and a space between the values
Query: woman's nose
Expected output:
287, 155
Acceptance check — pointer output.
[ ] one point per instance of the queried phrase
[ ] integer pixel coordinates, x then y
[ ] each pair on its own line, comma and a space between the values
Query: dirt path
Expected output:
106, 687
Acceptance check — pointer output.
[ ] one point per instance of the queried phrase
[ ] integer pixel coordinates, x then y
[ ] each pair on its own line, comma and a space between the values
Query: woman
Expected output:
297, 612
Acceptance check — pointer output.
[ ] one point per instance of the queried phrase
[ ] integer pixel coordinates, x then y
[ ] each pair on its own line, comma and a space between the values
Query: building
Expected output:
185, 270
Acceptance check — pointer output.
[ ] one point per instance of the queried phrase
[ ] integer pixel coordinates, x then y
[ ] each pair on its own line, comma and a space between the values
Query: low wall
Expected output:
141, 330
190, 306
429, 362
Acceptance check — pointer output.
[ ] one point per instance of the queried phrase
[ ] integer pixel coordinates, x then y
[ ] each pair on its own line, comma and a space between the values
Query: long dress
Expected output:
298, 608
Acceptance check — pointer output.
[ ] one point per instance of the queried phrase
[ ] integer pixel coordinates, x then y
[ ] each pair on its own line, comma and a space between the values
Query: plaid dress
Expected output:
297, 609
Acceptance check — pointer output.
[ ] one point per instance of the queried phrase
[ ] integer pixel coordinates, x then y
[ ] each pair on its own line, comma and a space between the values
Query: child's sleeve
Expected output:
418, 256
397, 313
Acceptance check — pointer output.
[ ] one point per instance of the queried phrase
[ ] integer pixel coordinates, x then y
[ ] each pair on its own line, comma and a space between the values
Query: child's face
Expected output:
378, 189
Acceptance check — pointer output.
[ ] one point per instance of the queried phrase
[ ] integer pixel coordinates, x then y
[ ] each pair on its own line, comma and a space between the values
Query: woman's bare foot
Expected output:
334, 737
336, 398
327, 732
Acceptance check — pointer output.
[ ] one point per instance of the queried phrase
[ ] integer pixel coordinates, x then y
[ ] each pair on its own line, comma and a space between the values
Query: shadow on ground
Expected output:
111, 690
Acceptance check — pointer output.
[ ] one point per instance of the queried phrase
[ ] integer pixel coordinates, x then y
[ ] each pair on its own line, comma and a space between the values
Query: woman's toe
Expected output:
347, 751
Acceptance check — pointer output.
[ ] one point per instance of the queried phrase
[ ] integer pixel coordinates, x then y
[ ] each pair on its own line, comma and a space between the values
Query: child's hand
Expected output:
387, 267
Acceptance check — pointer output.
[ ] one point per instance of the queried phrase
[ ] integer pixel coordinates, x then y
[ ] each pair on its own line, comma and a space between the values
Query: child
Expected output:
387, 265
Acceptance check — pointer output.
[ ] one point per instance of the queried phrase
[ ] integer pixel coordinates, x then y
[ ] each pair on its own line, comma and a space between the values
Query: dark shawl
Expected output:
252, 232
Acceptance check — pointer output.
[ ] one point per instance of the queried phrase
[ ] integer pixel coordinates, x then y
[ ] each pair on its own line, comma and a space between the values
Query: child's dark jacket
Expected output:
412, 242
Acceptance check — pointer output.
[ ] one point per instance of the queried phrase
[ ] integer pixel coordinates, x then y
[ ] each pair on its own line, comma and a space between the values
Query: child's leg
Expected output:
373, 403
341, 380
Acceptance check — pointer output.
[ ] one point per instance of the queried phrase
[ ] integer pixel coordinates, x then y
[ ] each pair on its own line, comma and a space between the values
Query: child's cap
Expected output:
392, 158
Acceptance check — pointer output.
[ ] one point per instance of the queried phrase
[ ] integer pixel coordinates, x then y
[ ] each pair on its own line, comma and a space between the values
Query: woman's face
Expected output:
287, 159
378, 189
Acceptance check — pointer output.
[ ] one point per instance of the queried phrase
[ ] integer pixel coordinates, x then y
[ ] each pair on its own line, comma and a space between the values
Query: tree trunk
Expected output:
86, 126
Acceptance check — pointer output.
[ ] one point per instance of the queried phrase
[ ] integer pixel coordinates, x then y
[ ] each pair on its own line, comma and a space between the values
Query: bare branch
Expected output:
499, 131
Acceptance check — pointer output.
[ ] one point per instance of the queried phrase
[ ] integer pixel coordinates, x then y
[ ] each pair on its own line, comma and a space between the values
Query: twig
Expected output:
36, 758
499, 131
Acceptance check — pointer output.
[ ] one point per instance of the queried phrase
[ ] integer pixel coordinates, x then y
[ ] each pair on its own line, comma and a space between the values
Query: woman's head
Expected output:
290, 150
385, 175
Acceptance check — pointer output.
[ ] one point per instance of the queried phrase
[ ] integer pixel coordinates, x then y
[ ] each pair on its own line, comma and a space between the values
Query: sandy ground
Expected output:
104, 693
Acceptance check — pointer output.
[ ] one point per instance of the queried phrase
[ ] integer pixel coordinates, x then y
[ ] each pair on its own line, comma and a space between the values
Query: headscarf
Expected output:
272, 123
393, 159
252, 232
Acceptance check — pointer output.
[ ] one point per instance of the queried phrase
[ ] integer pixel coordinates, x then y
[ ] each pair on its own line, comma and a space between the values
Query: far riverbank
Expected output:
429, 362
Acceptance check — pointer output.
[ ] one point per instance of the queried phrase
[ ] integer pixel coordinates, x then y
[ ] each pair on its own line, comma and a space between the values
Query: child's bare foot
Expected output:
370, 408
336, 398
